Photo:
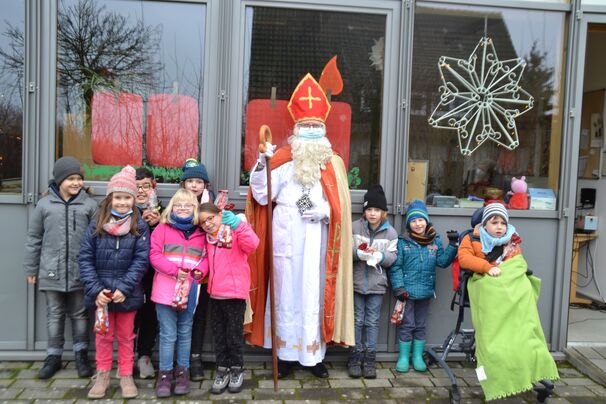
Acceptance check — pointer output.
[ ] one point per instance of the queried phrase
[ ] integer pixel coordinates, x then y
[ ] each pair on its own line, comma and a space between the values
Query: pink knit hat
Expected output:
124, 181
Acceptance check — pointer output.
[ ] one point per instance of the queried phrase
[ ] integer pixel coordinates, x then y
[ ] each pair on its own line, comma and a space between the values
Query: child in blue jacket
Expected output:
413, 278
114, 255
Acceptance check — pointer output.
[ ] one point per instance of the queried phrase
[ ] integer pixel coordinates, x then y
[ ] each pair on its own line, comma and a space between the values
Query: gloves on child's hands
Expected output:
453, 237
230, 219
375, 259
363, 255
401, 294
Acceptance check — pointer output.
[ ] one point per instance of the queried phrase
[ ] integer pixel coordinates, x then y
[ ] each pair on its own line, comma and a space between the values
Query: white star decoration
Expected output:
481, 100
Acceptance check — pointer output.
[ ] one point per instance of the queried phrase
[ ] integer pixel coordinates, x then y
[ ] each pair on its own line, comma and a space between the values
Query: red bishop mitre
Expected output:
308, 101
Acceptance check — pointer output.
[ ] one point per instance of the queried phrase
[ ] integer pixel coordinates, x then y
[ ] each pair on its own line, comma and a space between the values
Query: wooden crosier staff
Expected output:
265, 137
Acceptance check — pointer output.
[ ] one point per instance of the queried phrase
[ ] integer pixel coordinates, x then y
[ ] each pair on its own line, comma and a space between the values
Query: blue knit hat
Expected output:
416, 209
193, 169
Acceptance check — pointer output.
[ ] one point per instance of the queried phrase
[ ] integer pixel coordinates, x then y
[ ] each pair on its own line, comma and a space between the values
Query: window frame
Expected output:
232, 147
208, 124
517, 4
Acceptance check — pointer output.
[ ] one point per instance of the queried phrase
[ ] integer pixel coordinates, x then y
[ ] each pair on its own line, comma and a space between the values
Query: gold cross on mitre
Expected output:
309, 98
308, 101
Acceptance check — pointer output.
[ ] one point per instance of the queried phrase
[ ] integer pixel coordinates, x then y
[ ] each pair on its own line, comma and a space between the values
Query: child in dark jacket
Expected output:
178, 249
146, 322
228, 287
51, 260
113, 258
413, 278
374, 243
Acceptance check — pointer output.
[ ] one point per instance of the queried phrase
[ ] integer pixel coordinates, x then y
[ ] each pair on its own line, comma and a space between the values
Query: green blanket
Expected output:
510, 345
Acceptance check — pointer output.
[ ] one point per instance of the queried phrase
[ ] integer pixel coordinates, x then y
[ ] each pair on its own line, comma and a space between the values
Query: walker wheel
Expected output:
455, 397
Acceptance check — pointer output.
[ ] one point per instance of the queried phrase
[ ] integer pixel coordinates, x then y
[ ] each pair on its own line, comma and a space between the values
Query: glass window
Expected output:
282, 45
12, 76
483, 112
129, 84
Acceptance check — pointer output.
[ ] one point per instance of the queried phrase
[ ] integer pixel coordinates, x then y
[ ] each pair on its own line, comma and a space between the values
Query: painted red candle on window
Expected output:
172, 129
117, 129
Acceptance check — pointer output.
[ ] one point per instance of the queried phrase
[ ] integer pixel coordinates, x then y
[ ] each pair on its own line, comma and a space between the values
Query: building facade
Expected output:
442, 100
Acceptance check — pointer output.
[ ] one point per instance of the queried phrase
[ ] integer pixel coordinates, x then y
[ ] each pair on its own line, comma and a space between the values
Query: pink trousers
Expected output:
121, 324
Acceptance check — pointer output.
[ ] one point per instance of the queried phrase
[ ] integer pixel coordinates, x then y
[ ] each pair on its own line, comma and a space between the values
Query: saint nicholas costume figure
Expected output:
311, 230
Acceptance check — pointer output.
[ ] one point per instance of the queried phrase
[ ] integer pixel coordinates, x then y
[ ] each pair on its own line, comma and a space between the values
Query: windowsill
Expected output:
531, 214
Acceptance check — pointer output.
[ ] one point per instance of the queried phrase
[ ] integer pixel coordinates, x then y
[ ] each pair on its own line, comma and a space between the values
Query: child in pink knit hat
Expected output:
113, 258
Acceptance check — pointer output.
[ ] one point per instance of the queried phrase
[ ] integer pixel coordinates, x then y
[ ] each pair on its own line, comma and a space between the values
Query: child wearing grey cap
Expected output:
56, 228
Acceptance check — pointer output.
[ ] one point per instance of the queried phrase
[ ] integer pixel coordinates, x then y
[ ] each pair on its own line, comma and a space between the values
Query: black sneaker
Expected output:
236, 379
52, 364
83, 364
354, 365
196, 371
221, 380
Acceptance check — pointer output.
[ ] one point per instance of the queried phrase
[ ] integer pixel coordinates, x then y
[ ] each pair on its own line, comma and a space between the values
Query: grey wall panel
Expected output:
13, 299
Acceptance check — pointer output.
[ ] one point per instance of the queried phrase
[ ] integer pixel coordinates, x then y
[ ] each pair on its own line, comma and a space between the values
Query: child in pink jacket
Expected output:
230, 240
178, 248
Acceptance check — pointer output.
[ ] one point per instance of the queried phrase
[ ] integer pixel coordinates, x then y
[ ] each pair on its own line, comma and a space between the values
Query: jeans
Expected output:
122, 323
58, 304
415, 317
175, 332
227, 318
367, 311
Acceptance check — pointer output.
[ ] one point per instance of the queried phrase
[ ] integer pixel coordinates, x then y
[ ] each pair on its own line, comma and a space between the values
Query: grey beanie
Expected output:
66, 166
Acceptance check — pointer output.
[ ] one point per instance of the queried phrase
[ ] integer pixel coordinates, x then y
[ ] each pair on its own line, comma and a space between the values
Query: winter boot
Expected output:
354, 364
403, 363
370, 365
82, 364
221, 380
164, 383
196, 370
146, 367
52, 364
181, 380
101, 384
236, 379
128, 387
418, 346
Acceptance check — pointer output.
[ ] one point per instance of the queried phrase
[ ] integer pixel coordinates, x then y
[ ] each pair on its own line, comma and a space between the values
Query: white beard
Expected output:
309, 157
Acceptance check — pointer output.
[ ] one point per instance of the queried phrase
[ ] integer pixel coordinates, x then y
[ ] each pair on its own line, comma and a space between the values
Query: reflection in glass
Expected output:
12, 72
454, 31
129, 84
282, 45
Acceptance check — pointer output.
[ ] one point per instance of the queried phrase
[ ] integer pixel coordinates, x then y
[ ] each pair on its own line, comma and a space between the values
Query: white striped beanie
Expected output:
495, 209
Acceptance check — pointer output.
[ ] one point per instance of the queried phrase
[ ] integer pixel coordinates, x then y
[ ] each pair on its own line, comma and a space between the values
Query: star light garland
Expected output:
481, 101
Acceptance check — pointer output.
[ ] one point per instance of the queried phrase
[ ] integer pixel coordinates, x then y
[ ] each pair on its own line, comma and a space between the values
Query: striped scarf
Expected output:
426, 238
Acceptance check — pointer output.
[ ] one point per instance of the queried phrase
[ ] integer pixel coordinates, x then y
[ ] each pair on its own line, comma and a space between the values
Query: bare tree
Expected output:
102, 49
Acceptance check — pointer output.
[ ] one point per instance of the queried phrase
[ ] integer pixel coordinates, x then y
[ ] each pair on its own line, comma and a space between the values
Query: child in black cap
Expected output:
374, 242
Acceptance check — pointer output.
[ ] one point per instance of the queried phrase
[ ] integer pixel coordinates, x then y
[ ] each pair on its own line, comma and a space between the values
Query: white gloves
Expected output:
376, 258
269, 153
372, 258
314, 215
363, 255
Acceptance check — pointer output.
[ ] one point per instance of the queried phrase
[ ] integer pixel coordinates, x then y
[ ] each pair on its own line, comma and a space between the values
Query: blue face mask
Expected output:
311, 132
